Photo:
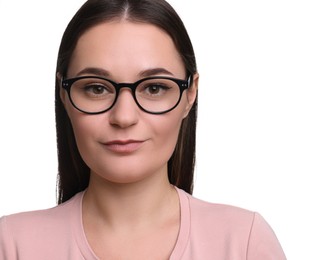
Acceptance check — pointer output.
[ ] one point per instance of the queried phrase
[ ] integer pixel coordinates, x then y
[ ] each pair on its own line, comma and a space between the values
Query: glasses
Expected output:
154, 95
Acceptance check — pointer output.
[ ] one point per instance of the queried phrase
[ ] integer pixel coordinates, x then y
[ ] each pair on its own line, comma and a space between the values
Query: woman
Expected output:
126, 89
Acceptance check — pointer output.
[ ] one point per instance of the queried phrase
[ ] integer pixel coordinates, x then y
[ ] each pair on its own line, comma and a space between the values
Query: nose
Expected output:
125, 111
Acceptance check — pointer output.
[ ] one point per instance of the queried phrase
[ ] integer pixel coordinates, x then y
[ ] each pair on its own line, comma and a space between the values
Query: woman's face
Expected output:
125, 144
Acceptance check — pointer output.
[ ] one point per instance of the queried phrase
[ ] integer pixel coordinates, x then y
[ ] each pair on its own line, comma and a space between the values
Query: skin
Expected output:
129, 200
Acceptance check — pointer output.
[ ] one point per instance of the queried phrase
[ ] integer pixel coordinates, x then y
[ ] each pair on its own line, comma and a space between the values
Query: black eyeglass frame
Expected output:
182, 84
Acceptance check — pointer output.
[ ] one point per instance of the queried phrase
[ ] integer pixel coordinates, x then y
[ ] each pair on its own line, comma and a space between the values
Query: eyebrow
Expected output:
154, 72
94, 71
104, 73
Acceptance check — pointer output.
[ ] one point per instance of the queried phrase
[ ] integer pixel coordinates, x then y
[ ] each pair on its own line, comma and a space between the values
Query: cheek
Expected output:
85, 128
167, 130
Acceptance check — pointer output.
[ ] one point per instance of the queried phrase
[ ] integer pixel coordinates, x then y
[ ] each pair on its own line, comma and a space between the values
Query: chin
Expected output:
129, 175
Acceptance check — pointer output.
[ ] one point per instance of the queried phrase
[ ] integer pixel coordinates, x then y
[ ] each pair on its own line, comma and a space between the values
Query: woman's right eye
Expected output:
95, 89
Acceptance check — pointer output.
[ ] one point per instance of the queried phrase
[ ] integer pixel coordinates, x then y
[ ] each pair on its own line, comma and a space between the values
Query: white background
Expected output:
253, 144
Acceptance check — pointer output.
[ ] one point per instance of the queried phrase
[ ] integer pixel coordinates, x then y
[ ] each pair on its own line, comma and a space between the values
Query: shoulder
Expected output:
231, 230
226, 216
42, 218
42, 227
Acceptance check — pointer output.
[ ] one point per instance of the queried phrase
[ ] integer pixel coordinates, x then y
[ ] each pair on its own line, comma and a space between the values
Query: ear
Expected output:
61, 90
191, 93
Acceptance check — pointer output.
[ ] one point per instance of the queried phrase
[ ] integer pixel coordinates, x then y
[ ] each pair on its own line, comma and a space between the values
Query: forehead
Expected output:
123, 46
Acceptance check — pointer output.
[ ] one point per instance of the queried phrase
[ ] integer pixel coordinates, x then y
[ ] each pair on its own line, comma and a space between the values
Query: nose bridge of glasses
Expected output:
124, 87
131, 86
125, 96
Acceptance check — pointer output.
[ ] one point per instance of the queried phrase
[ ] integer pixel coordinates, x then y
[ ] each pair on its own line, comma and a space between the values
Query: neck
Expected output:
130, 205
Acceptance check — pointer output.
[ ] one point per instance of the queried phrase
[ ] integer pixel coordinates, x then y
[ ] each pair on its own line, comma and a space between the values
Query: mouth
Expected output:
124, 146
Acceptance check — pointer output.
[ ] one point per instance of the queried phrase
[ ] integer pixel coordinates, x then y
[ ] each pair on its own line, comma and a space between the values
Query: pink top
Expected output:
207, 231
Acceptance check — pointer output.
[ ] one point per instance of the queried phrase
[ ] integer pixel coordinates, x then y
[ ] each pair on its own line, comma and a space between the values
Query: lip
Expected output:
123, 146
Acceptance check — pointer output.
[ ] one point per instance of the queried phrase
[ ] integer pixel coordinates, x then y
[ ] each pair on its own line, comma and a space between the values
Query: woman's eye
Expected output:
95, 89
156, 89
98, 90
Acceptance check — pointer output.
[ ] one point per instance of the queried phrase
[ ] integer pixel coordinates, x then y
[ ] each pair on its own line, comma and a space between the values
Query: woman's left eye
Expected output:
156, 89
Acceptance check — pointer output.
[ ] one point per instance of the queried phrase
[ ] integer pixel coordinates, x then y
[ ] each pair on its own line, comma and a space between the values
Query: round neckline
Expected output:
184, 227
182, 238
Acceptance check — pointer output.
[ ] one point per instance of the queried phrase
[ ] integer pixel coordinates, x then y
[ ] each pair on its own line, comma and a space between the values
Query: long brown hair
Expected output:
73, 173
